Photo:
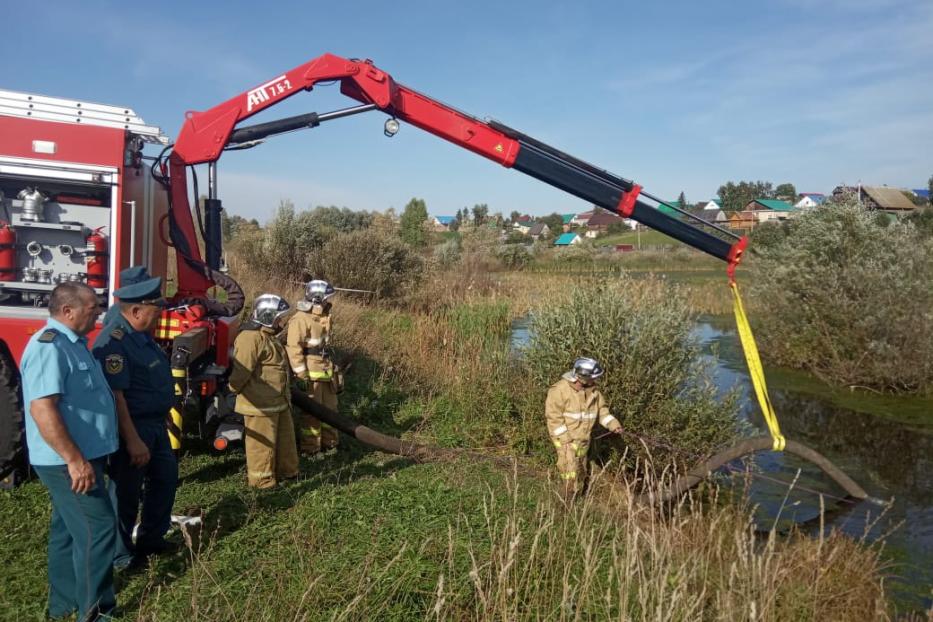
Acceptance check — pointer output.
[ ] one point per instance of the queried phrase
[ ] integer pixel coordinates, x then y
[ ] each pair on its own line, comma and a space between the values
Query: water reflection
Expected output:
888, 458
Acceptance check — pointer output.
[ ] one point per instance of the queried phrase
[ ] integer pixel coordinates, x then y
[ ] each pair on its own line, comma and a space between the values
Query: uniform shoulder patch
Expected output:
48, 335
113, 364
118, 333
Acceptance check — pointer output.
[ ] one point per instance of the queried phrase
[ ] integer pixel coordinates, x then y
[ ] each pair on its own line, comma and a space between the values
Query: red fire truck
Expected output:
79, 204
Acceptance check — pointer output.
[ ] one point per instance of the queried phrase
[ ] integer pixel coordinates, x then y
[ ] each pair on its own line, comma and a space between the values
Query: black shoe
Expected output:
164, 547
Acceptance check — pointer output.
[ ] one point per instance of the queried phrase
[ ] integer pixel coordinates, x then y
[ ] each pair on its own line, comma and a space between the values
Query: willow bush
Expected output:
368, 260
656, 382
848, 298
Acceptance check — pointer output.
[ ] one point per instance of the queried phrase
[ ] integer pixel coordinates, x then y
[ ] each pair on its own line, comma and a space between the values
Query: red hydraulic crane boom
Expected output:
205, 135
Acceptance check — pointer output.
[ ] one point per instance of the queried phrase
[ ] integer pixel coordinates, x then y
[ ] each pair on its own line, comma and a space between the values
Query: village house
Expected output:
539, 230
714, 204
890, 200
809, 200
523, 223
600, 221
442, 223
742, 221
568, 239
568, 221
716, 217
769, 209
581, 219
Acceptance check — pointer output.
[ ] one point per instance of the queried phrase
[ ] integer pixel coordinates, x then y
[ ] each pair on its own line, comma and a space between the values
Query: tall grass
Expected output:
455, 360
520, 556
604, 558
440, 370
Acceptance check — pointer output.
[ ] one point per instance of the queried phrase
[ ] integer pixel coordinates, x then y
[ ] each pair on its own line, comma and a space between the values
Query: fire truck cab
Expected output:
77, 203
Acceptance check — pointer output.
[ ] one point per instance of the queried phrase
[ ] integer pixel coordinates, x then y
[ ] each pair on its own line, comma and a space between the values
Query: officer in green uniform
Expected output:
144, 469
70, 431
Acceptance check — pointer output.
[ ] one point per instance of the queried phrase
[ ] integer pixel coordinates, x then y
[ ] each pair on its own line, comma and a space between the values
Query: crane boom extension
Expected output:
204, 136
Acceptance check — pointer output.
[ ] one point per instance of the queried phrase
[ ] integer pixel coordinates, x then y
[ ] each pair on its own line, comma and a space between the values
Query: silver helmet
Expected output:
267, 309
587, 369
318, 291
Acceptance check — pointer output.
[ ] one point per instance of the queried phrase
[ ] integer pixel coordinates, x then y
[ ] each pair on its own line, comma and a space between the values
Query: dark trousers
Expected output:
82, 537
154, 485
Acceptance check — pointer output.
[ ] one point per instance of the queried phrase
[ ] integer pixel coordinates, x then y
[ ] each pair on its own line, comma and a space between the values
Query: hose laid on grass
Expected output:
384, 442
694, 476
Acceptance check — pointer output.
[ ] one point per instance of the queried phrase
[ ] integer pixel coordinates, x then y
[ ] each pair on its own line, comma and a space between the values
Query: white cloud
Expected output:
815, 99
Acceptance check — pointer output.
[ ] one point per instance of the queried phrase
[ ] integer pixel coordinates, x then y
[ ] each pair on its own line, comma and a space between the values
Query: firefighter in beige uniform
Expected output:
260, 381
573, 407
306, 341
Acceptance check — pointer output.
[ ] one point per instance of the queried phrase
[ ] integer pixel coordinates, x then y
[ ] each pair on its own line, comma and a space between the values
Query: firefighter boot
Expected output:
324, 394
309, 434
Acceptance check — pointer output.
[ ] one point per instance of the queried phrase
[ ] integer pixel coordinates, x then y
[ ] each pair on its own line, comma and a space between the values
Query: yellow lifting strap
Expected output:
756, 371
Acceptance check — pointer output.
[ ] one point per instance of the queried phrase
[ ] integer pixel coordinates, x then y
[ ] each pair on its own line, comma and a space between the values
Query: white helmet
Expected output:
318, 291
267, 309
587, 369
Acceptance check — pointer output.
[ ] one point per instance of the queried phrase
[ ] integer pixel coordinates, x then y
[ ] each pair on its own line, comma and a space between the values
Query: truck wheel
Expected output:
11, 416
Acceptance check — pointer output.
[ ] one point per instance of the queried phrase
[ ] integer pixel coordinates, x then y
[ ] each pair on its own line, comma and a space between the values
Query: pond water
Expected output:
885, 444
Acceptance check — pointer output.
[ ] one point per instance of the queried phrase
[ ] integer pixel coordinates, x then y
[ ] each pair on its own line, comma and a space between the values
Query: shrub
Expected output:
280, 249
616, 228
922, 219
882, 219
516, 237
288, 239
849, 300
339, 219
575, 253
513, 256
448, 252
655, 382
367, 260
767, 234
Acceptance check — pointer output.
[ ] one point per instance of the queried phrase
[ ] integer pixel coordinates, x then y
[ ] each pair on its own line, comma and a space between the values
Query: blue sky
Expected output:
676, 95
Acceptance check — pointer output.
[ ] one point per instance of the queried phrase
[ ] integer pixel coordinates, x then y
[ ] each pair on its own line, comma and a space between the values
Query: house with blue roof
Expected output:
810, 200
923, 193
568, 239
442, 223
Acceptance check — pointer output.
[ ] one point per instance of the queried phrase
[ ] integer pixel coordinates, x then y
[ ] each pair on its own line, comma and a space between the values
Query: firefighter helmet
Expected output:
587, 369
267, 309
318, 291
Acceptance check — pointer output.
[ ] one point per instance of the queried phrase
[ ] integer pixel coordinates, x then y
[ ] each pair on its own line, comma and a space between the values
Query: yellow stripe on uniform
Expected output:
755, 369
